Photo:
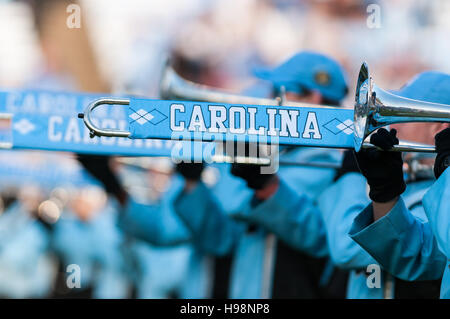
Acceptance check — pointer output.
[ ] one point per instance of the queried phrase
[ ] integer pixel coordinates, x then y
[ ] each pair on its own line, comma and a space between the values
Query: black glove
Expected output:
442, 141
190, 171
349, 165
251, 173
98, 166
383, 170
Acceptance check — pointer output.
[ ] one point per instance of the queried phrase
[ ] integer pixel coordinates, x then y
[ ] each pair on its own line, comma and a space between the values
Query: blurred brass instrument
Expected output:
174, 87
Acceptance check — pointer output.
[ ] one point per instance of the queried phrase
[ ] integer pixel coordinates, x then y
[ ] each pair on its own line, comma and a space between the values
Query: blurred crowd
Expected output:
53, 214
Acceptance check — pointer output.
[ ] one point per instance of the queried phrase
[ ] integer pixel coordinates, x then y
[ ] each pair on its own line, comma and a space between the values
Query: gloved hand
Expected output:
383, 170
190, 171
251, 173
98, 166
349, 164
442, 141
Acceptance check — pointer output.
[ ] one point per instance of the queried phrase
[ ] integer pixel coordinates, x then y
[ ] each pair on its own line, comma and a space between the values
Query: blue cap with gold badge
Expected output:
308, 71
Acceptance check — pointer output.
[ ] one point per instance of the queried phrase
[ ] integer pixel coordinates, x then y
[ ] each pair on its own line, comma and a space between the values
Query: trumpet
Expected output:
374, 107
174, 87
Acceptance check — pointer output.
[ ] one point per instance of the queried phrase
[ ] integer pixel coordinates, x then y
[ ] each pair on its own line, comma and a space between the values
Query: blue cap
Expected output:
430, 86
311, 71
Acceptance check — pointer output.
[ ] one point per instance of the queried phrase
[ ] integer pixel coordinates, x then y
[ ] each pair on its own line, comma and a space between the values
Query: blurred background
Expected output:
52, 213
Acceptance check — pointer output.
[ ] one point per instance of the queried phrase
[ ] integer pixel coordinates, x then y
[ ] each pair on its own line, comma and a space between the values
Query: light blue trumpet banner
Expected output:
283, 125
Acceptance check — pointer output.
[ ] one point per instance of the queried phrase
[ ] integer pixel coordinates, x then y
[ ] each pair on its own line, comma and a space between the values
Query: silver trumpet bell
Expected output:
375, 107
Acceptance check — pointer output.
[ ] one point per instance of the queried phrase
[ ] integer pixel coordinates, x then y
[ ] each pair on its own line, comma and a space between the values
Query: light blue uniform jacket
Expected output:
96, 247
160, 271
26, 268
340, 204
166, 259
219, 217
437, 208
402, 241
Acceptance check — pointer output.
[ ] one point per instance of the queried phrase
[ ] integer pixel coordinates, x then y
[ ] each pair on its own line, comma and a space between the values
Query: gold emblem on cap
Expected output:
322, 78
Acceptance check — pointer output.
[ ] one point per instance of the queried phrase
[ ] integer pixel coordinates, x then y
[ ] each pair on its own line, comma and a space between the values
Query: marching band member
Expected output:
157, 224
238, 215
394, 228
340, 204
337, 204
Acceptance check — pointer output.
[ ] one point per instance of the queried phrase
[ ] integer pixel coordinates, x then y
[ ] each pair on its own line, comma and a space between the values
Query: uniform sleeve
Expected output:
294, 218
157, 224
212, 229
339, 205
111, 279
401, 243
436, 203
